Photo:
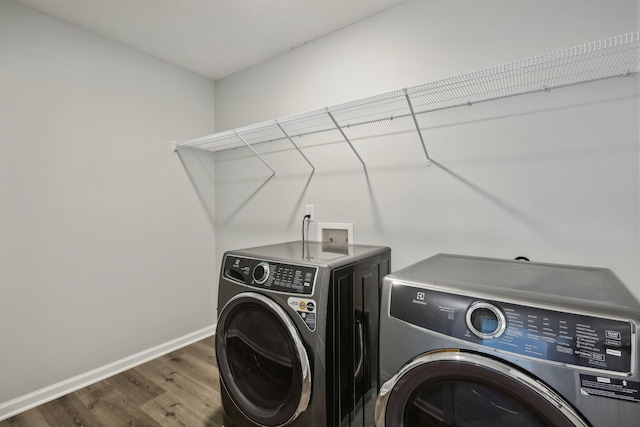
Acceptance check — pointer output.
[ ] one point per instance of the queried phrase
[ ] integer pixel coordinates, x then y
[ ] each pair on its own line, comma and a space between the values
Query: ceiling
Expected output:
213, 38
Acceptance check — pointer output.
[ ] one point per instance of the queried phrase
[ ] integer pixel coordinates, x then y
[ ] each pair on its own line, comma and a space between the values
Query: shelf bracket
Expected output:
364, 167
313, 169
255, 152
415, 121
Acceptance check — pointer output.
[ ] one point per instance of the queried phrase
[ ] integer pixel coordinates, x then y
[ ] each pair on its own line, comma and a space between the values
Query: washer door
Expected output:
263, 364
453, 388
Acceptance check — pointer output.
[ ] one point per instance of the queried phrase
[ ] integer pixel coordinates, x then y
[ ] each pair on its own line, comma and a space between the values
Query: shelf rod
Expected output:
364, 167
415, 121
313, 169
255, 152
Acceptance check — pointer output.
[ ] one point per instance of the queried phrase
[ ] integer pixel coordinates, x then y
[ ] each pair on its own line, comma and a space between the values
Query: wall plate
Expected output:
335, 233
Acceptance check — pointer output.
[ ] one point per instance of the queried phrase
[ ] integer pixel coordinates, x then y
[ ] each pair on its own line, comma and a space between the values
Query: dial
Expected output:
261, 273
485, 320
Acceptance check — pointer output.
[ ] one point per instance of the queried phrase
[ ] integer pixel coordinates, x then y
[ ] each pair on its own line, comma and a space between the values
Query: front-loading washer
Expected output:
469, 341
297, 334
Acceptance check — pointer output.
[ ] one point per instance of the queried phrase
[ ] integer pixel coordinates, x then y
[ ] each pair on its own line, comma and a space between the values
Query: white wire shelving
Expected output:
405, 109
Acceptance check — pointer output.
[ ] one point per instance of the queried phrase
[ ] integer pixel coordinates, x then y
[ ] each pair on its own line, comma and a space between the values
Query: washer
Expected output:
297, 335
468, 341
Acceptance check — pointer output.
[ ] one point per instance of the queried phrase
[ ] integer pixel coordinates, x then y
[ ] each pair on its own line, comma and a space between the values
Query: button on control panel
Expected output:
289, 278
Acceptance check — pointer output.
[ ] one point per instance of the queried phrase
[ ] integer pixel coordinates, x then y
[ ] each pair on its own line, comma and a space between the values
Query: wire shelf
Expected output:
399, 110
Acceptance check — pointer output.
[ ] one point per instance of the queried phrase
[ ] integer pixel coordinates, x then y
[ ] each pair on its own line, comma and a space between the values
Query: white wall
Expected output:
105, 248
552, 176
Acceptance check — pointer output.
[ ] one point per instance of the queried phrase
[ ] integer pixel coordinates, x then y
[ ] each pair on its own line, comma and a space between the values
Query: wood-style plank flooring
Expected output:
178, 389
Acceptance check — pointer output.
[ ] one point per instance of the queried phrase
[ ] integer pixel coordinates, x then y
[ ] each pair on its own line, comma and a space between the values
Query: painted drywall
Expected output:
105, 248
553, 177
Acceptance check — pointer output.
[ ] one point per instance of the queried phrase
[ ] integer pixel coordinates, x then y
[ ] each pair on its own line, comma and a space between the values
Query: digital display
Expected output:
489, 325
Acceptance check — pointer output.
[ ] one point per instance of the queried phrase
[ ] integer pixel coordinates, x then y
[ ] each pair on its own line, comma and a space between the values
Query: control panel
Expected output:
555, 336
275, 276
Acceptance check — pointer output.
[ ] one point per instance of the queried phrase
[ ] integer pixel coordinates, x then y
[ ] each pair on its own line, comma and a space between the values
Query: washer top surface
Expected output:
551, 284
316, 253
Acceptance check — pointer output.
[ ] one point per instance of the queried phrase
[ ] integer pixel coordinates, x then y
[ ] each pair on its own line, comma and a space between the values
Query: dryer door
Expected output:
454, 388
263, 364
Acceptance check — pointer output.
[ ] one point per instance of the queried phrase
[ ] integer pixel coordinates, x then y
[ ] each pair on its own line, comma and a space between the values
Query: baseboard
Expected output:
47, 394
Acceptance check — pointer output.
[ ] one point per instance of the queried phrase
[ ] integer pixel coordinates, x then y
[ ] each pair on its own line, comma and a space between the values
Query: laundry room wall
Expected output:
551, 176
107, 253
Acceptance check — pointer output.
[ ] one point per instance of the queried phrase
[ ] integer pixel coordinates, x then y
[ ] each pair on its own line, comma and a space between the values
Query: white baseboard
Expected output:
47, 394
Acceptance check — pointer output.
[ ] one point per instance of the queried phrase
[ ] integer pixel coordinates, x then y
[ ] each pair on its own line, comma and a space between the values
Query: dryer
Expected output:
469, 341
297, 334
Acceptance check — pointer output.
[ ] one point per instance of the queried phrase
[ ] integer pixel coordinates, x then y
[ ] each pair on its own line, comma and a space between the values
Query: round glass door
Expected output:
452, 388
262, 362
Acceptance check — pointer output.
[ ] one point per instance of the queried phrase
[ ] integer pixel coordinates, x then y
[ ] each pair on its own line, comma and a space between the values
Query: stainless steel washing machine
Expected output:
297, 334
468, 341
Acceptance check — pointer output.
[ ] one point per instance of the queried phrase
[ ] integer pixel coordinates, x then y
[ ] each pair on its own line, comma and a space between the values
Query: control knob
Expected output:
261, 272
485, 320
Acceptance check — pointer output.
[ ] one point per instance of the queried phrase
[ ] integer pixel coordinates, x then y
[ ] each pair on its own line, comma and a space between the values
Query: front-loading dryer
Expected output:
469, 341
297, 334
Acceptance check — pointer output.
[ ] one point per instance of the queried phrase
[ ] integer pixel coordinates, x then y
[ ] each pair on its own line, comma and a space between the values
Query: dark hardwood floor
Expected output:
178, 389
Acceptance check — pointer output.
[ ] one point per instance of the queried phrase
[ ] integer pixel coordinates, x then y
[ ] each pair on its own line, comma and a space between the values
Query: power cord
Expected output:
306, 217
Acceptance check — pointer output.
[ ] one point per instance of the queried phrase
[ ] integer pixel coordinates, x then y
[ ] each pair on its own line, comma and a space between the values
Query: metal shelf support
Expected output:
256, 153
313, 169
415, 121
364, 167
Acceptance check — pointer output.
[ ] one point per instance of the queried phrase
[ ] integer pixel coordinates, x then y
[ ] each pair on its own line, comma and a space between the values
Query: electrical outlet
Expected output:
309, 211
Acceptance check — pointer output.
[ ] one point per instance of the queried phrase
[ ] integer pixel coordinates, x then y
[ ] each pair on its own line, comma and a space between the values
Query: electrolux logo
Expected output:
420, 298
